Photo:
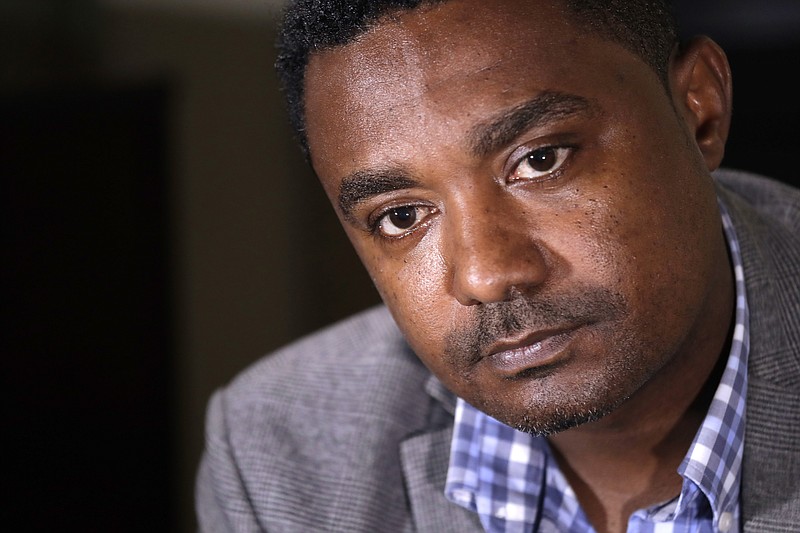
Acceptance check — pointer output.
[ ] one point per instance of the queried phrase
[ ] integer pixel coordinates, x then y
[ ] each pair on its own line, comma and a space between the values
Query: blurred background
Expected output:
161, 232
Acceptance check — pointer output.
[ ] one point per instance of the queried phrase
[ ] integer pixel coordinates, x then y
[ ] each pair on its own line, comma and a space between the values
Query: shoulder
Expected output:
331, 369
766, 215
770, 198
308, 437
766, 218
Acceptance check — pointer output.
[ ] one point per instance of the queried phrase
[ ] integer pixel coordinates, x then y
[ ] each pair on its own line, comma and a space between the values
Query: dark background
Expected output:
160, 231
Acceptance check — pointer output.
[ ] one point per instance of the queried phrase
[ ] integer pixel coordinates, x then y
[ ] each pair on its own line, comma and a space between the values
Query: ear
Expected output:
700, 80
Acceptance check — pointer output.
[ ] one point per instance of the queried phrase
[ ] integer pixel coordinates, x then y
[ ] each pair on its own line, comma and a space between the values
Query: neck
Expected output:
616, 468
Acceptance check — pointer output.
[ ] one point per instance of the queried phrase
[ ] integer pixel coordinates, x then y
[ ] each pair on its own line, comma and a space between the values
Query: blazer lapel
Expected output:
771, 463
425, 457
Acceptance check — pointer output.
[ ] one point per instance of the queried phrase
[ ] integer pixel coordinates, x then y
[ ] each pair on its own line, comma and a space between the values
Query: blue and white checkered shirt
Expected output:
512, 481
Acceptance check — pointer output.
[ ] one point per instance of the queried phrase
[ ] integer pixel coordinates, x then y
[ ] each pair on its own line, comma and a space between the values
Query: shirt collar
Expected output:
714, 459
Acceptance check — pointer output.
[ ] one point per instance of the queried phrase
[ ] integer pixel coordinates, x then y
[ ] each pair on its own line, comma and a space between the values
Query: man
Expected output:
577, 311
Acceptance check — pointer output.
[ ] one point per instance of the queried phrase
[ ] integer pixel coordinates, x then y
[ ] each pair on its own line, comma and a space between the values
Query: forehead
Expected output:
428, 71
409, 52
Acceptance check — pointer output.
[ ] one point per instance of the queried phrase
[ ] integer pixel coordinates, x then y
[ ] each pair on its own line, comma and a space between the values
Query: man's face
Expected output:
528, 201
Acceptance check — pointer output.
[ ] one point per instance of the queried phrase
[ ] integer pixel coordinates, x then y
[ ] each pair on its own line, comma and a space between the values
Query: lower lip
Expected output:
539, 354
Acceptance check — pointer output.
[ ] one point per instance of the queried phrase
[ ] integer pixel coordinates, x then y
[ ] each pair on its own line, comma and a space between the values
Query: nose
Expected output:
491, 253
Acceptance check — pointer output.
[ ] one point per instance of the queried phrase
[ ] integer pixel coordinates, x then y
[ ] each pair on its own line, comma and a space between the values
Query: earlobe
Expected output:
700, 80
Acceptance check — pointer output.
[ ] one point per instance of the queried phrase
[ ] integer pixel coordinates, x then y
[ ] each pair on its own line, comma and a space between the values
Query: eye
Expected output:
539, 163
397, 221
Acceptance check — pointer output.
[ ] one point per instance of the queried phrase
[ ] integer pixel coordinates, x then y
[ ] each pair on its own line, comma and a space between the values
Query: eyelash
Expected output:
376, 221
561, 152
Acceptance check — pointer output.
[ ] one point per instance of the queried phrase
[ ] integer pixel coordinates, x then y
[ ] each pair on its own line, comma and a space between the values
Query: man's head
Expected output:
528, 186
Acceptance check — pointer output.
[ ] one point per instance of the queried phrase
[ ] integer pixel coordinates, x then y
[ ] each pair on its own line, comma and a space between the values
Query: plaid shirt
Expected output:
512, 481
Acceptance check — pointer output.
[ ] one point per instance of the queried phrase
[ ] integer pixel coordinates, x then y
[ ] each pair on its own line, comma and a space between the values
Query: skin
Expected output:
606, 248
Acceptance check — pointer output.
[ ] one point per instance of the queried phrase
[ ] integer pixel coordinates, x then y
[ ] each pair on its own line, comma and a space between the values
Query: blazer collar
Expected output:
771, 469
425, 456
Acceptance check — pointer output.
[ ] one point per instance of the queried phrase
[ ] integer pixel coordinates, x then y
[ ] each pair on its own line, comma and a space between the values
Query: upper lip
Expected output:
526, 339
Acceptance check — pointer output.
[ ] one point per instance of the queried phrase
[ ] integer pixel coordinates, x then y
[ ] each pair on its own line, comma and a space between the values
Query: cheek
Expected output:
413, 287
628, 248
582, 235
649, 244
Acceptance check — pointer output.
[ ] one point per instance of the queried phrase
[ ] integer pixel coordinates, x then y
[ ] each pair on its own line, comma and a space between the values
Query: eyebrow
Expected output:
483, 139
547, 107
364, 184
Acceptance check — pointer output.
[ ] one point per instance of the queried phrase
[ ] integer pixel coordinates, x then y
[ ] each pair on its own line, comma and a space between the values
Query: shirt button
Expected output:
462, 495
725, 522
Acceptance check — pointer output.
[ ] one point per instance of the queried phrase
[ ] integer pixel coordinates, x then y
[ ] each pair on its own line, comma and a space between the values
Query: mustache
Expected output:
466, 344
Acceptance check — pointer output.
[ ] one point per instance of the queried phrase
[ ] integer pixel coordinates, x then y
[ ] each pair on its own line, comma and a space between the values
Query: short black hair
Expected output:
647, 28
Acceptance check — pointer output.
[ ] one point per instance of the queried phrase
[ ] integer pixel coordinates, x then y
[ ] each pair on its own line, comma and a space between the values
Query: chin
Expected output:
542, 426
550, 413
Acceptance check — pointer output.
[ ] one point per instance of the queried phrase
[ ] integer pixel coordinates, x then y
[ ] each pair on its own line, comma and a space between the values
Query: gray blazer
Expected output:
346, 431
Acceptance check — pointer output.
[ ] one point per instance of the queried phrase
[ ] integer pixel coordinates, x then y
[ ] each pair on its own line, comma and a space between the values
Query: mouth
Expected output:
536, 350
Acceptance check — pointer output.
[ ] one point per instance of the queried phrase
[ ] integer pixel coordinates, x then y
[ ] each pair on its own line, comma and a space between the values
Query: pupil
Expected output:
542, 160
403, 217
